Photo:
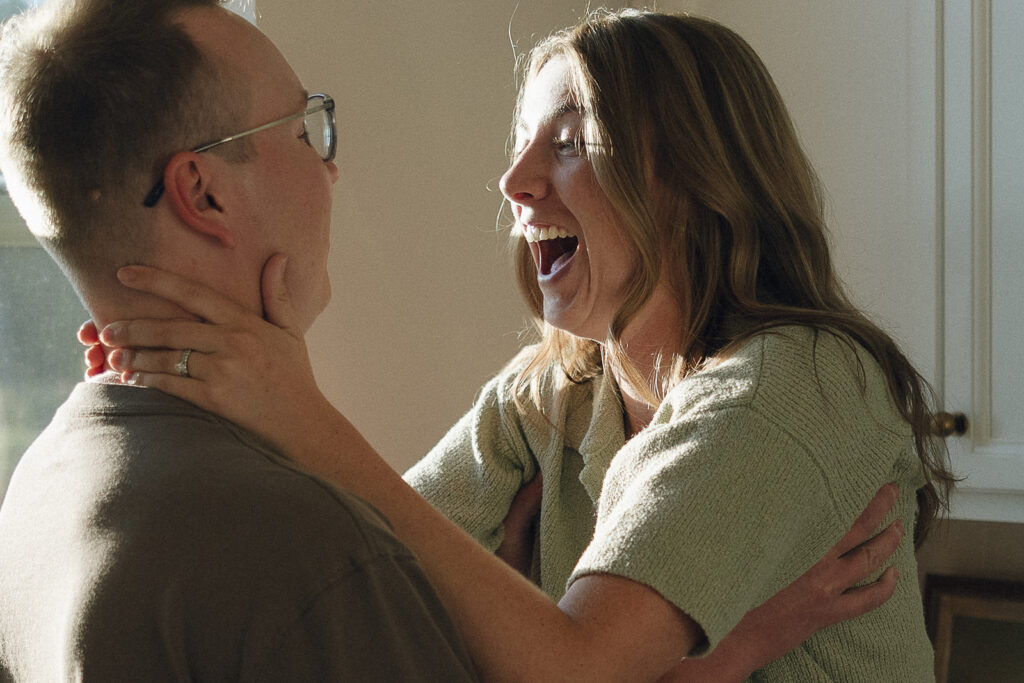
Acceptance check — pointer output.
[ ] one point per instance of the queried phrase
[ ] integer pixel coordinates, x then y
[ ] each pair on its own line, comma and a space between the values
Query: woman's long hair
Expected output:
691, 143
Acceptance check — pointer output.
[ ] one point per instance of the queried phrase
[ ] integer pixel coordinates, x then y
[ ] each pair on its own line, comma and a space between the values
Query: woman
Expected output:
702, 383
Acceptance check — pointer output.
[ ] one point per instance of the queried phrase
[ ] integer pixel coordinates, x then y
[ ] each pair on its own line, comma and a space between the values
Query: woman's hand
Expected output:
95, 357
824, 595
252, 371
518, 546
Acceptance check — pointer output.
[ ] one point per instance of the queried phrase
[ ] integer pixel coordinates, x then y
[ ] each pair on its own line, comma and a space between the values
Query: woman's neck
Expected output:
637, 413
638, 410
650, 342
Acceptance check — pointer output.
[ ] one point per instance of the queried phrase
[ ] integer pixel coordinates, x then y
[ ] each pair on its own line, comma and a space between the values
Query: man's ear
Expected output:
199, 201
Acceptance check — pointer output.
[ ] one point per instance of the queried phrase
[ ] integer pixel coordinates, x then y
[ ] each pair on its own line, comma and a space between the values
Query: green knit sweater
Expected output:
749, 472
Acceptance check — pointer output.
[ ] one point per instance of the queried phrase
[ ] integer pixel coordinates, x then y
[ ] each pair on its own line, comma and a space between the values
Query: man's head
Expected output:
102, 98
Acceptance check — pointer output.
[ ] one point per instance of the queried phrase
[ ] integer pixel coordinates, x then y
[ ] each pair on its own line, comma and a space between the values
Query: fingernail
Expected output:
127, 274
132, 378
120, 359
109, 334
282, 271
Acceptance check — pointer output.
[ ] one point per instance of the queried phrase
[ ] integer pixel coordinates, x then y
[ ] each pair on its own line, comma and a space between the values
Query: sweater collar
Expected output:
594, 427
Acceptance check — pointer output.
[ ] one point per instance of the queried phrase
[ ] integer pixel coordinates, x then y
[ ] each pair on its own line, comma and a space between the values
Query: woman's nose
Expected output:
525, 178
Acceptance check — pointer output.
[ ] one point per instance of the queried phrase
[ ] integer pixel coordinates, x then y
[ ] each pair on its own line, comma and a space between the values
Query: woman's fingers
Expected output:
864, 560
156, 361
517, 547
862, 552
868, 557
195, 298
526, 505
866, 598
872, 517
94, 360
163, 334
239, 365
87, 334
863, 599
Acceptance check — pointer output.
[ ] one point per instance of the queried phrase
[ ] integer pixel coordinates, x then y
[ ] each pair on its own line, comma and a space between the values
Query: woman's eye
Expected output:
569, 146
305, 137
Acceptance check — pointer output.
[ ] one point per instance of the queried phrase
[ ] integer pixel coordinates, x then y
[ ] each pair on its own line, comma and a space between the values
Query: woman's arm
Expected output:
822, 596
475, 471
606, 627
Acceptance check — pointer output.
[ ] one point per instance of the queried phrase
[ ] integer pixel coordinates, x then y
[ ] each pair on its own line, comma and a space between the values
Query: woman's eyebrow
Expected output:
557, 113
565, 108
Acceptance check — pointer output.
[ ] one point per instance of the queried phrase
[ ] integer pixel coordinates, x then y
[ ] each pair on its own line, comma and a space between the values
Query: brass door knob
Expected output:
950, 424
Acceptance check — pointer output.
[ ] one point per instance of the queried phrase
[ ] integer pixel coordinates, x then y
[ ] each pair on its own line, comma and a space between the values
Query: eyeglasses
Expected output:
318, 124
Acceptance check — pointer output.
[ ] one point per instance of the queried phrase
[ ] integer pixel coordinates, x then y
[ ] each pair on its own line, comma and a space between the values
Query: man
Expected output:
143, 538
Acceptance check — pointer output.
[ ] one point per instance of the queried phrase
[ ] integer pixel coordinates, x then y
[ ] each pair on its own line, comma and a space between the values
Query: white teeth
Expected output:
532, 233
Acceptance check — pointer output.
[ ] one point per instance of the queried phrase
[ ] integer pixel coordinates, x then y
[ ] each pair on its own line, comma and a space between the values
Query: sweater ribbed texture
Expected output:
749, 472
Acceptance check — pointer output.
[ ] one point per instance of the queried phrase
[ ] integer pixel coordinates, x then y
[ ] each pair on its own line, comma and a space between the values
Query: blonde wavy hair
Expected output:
690, 141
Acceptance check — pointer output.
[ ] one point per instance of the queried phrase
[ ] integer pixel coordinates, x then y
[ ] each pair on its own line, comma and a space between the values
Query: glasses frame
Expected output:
153, 196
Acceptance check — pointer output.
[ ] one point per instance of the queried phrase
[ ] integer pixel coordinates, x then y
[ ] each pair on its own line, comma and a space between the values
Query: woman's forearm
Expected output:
733, 661
513, 630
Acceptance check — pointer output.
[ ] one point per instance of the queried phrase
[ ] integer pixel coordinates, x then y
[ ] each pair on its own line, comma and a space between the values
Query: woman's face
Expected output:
584, 263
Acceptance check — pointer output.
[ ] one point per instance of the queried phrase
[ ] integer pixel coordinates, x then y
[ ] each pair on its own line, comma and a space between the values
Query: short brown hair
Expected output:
97, 95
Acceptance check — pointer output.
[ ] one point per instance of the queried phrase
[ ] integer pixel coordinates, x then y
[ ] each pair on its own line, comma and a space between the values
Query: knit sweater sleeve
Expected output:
745, 478
687, 510
474, 472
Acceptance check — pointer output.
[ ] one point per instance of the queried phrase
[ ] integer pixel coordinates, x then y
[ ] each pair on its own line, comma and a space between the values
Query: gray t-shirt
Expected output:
145, 539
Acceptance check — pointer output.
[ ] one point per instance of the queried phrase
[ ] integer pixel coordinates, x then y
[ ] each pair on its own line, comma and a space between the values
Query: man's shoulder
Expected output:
151, 466
193, 528
250, 500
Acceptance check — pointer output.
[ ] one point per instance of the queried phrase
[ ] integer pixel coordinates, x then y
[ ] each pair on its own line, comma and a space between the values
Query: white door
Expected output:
982, 190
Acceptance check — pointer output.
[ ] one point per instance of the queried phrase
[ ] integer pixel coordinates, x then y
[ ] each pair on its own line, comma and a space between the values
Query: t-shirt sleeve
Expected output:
716, 511
380, 621
474, 472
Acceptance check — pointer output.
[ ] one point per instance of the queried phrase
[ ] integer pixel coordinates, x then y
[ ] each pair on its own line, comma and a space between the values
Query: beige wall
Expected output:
425, 308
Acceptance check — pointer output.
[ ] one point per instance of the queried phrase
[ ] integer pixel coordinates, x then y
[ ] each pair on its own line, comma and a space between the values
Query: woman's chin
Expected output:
565, 321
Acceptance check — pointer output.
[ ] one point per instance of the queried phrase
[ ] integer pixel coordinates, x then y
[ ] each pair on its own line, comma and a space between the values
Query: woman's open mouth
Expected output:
553, 247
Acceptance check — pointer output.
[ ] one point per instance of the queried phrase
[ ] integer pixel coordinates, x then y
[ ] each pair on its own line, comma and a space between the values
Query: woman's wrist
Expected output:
732, 661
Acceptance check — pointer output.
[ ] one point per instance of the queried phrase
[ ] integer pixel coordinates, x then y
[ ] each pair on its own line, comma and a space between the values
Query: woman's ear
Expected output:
196, 196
